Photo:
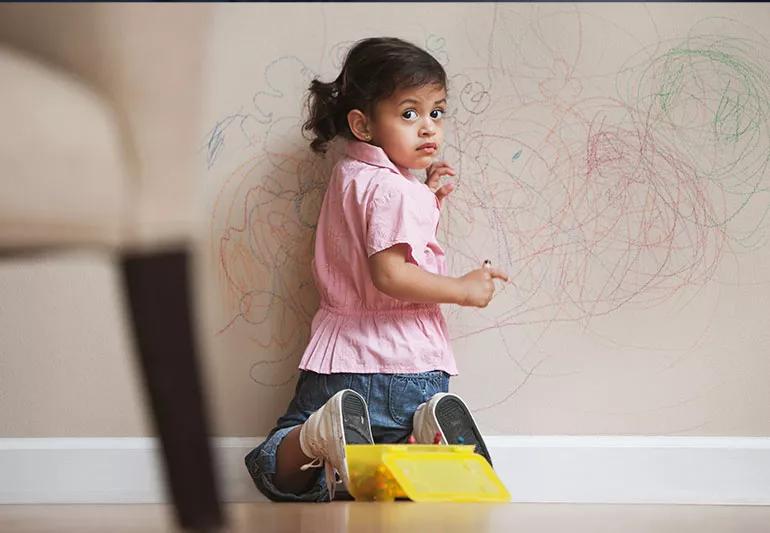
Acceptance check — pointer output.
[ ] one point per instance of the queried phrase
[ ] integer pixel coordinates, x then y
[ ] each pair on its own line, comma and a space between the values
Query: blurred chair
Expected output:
101, 108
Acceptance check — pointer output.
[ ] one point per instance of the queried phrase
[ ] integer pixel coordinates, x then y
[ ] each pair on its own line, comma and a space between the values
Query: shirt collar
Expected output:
374, 155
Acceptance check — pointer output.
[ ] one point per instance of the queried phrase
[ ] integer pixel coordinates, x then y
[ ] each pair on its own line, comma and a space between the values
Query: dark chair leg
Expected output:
158, 292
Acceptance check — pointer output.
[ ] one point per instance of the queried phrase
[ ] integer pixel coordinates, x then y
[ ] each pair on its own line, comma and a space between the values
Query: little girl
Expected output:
378, 362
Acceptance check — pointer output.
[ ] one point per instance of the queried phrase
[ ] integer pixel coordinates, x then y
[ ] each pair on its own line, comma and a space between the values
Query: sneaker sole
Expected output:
457, 424
355, 420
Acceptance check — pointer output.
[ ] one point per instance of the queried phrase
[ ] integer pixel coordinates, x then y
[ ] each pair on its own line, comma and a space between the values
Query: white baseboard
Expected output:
585, 469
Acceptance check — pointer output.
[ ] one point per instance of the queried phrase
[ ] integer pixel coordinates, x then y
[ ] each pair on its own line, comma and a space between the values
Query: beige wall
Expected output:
599, 334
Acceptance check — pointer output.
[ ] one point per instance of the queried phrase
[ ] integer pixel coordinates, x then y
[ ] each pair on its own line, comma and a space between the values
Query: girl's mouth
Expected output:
428, 148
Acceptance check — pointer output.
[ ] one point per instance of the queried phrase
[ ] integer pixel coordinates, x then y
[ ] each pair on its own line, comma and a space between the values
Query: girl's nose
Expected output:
427, 130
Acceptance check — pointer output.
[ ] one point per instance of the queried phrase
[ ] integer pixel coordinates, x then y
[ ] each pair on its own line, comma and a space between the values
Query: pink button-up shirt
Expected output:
371, 205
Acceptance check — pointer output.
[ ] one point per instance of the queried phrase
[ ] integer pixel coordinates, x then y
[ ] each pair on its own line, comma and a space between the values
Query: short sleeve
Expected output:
394, 217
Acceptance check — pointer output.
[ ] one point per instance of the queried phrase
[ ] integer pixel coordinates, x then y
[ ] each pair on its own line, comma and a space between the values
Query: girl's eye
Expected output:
437, 113
409, 114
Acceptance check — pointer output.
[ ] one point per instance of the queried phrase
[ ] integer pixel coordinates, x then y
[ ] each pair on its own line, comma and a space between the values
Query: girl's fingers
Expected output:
497, 274
439, 169
438, 164
442, 169
434, 184
445, 190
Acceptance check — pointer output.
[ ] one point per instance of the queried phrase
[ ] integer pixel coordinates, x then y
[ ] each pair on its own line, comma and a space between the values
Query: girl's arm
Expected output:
396, 277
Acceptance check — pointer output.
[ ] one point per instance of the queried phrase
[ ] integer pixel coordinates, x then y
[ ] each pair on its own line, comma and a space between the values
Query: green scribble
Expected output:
706, 100
739, 110
670, 88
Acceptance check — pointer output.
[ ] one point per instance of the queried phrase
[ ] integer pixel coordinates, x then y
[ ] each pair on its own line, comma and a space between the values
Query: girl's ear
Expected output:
359, 125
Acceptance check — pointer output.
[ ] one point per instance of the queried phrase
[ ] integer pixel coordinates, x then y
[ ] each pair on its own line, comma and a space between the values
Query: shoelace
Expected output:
315, 463
318, 463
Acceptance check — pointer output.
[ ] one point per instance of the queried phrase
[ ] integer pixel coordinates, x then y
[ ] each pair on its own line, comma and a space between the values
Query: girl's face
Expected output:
409, 125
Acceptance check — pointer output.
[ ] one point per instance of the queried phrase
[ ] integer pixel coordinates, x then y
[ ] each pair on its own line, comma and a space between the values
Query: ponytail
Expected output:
326, 118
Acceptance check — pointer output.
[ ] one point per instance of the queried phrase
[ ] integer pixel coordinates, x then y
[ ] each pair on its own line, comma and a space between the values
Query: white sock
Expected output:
303, 445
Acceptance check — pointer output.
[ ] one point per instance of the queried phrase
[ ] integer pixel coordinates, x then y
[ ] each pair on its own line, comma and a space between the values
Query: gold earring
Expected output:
367, 137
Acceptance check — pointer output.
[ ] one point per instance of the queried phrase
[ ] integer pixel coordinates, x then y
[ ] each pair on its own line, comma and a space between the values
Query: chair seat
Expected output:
64, 175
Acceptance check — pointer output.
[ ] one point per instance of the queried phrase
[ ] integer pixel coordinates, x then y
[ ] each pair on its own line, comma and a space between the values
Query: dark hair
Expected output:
373, 70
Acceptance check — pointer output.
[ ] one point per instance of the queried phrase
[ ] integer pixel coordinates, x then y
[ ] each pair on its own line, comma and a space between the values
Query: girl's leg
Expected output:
289, 458
342, 420
330, 423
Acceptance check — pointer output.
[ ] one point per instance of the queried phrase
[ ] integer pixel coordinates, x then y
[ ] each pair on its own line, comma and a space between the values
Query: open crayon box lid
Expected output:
422, 473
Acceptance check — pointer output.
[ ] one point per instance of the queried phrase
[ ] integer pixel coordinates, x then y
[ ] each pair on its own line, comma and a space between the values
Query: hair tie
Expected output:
336, 89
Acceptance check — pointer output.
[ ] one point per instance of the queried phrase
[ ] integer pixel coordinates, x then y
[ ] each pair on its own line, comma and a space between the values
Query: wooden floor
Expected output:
400, 516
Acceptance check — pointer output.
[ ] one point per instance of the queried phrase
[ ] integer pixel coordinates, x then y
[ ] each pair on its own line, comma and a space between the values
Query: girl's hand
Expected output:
434, 173
478, 286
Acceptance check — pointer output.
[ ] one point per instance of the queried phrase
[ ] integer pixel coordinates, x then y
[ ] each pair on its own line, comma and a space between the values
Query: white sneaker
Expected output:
343, 419
447, 415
